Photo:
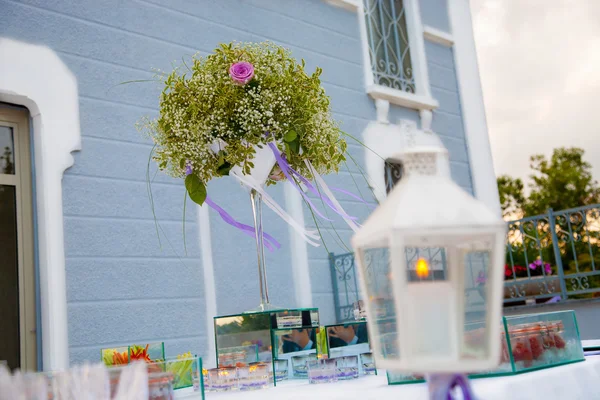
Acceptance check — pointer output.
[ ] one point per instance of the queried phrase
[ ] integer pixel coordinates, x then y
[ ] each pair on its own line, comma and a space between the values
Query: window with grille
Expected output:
393, 173
388, 43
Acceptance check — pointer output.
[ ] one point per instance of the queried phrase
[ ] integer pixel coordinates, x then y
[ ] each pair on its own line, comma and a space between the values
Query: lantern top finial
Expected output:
422, 152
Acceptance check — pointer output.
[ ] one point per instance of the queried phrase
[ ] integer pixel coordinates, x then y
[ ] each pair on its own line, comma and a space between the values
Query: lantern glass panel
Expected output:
475, 343
428, 300
382, 312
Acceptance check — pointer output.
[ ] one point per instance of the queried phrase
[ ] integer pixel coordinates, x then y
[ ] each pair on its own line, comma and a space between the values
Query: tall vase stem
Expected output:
256, 199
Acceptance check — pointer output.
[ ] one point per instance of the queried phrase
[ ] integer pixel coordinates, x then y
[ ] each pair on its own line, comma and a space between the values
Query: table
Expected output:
591, 344
579, 381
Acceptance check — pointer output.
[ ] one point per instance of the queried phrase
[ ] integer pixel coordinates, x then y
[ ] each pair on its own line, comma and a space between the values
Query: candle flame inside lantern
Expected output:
252, 368
422, 268
223, 373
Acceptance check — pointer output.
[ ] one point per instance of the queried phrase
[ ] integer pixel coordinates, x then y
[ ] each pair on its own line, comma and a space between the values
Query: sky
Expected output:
539, 62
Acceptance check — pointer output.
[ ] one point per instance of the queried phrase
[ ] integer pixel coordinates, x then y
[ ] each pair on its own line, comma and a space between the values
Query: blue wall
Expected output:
123, 286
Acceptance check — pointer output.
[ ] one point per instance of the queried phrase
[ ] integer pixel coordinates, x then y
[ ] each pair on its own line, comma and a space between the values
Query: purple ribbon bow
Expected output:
442, 385
288, 171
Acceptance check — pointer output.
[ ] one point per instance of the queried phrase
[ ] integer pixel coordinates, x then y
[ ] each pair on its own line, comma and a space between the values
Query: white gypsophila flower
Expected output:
204, 105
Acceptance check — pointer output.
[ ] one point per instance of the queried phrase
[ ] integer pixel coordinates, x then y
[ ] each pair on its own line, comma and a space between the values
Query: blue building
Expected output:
79, 244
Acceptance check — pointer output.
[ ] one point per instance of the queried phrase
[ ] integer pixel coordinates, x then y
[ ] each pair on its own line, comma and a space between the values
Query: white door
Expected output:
17, 273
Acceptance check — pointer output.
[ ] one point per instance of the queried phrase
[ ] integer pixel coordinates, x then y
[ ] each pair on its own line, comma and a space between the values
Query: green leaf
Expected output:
287, 151
182, 163
224, 168
295, 146
290, 136
195, 189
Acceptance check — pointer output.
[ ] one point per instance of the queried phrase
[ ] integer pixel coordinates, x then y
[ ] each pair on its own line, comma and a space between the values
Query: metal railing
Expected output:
553, 256
549, 258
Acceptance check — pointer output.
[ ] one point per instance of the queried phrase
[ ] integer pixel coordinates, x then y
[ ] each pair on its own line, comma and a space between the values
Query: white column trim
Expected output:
437, 36
210, 293
414, 28
473, 110
300, 266
35, 77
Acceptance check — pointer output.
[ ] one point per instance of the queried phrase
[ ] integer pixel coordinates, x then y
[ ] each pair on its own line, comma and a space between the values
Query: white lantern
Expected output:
430, 260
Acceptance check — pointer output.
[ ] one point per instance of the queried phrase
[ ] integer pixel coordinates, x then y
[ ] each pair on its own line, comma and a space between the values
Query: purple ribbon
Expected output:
353, 196
268, 240
461, 381
287, 169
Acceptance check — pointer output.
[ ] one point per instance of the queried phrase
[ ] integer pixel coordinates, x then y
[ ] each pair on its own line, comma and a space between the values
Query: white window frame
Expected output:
421, 99
35, 77
462, 41
20, 180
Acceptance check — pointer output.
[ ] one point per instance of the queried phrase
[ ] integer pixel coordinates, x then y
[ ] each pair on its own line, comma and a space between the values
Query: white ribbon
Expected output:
264, 161
251, 183
355, 227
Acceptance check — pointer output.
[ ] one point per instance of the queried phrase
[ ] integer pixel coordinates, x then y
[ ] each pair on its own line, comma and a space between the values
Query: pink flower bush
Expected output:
241, 72
538, 263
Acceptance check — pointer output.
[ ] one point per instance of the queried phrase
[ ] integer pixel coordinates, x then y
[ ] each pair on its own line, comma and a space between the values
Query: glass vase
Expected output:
265, 304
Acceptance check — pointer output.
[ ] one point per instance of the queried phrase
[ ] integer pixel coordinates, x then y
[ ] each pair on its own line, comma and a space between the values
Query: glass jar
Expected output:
322, 370
254, 376
289, 321
299, 365
535, 336
281, 369
222, 379
504, 356
368, 363
521, 344
347, 367
359, 311
226, 360
206, 380
239, 358
556, 331
160, 386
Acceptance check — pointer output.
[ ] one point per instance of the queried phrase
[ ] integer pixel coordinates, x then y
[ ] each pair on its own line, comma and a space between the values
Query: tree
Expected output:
563, 181
511, 196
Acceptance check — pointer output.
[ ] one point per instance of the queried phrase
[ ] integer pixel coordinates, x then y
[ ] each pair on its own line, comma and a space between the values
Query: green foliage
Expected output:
564, 181
511, 195
561, 182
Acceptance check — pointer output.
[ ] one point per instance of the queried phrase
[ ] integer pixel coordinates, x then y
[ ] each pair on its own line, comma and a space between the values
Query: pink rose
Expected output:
241, 72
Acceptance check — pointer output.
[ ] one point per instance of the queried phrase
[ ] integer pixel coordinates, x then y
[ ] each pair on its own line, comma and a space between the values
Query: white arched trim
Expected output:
35, 77
383, 141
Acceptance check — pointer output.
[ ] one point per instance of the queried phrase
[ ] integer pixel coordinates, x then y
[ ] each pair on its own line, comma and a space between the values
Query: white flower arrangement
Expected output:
217, 112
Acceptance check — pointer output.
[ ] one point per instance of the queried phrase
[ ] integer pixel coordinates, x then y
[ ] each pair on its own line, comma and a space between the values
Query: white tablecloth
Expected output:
579, 381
